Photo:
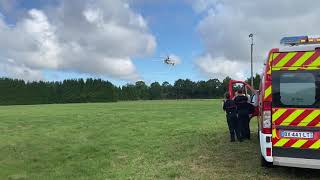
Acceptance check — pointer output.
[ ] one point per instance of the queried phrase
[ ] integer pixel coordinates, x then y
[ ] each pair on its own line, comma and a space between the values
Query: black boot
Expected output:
240, 139
232, 138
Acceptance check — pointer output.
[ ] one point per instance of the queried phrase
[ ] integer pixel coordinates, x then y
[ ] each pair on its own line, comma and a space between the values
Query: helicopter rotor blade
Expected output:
156, 60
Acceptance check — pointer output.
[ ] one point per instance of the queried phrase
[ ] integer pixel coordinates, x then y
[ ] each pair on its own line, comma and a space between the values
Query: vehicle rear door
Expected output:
295, 105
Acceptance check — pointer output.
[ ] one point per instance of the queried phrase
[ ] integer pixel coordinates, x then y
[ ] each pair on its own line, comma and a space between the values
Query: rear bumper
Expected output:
294, 157
297, 162
296, 153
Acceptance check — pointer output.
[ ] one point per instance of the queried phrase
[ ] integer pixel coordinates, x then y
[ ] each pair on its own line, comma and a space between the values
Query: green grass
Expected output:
129, 140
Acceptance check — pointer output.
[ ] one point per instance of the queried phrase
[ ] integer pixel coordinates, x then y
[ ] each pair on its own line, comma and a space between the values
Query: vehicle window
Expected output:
295, 88
237, 86
249, 93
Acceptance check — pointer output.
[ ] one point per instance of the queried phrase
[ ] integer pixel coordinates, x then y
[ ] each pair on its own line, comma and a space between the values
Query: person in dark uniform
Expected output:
243, 111
230, 108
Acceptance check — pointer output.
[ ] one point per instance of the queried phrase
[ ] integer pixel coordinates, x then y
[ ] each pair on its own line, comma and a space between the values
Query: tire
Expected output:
265, 163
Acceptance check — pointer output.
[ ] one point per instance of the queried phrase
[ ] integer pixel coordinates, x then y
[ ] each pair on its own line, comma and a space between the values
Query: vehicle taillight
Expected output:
268, 151
266, 118
266, 122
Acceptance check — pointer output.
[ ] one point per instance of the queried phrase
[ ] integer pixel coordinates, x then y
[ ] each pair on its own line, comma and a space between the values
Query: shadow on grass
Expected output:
299, 173
243, 159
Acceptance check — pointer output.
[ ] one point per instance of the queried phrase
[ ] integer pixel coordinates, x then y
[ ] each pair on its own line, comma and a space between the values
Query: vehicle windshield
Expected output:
295, 88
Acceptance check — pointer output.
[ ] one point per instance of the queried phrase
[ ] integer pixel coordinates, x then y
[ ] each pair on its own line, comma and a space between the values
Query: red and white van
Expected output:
288, 104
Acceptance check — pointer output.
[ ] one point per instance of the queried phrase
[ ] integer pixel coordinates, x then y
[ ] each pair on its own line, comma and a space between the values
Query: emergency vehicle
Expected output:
288, 104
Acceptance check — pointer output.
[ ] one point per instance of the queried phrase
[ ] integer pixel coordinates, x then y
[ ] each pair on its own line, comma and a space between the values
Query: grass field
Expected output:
129, 140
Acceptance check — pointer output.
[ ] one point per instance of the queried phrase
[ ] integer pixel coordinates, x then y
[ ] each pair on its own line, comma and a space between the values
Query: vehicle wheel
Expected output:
265, 163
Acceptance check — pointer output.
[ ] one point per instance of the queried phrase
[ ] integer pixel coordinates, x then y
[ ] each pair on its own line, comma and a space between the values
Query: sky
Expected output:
124, 41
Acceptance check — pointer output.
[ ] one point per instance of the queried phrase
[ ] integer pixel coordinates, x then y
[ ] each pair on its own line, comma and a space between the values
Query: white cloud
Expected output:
38, 29
227, 24
220, 67
9, 66
203, 5
97, 37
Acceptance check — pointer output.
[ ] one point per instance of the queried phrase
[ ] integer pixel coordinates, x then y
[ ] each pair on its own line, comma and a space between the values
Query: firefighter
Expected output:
230, 108
243, 111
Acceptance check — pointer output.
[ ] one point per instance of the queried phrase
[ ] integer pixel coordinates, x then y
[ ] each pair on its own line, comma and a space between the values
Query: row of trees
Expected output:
96, 90
69, 91
181, 89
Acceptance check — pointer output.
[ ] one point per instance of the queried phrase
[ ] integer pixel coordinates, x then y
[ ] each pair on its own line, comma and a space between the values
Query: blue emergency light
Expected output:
299, 40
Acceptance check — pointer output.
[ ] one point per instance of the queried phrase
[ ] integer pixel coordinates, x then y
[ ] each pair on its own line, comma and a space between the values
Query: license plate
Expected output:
297, 134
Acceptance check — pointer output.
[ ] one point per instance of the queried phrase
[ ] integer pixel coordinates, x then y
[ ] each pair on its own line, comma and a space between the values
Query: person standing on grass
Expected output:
243, 111
230, 108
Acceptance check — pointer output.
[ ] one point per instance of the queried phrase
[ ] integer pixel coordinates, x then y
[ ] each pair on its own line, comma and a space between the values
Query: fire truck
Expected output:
287, 104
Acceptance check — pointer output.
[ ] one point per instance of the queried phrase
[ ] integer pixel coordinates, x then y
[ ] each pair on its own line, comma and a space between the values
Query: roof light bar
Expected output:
295, 40
300, 40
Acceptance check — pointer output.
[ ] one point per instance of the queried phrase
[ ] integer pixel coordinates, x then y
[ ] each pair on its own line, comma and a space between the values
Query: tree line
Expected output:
16, 92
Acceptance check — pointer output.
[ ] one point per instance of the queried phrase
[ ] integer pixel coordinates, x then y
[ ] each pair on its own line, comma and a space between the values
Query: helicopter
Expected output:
169, 61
